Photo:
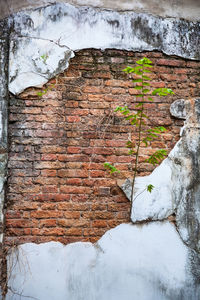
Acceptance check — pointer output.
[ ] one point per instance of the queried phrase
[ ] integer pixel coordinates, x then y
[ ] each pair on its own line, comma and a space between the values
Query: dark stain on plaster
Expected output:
143, 31
114, 23
188, 198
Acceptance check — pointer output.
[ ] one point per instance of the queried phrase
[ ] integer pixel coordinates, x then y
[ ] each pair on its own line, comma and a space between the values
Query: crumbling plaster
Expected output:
173, 8
57, 31
129, 262
176, 180
4, 35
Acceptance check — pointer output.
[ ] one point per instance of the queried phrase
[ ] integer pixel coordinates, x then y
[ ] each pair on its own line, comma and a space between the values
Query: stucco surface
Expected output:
65, 28
129, 262
182, 9
176, 180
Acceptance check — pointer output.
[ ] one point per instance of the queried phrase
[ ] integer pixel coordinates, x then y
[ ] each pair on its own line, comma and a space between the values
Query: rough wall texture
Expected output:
3, 129
173, 8
58, 188
57, 30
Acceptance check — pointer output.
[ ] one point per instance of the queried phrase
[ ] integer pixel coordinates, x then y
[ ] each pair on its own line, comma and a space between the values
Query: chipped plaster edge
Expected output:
92, 28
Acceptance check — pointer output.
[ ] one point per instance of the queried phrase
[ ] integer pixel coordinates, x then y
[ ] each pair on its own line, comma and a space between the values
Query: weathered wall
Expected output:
45, 184
182, 9
58, 144
129, 262
3, 130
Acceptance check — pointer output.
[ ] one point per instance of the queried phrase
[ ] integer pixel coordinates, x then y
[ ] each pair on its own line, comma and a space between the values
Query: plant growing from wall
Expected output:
138, 118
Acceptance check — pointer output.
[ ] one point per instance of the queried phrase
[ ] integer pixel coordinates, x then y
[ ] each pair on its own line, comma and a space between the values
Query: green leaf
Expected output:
139, 95
162, 128
138, 87
133, 122
139, 104
117, 108
150, 99
130, 117
145, 116
40, 94
138, 72
129, 70
126, 112
146, 77
147, 66
156, 156
111, 168
150, 187
147, 71
146, 91
137, 80
143, 61
131, 152
129, 144
158, 130
162, 92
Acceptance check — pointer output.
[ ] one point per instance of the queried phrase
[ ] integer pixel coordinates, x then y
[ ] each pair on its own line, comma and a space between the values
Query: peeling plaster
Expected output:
64, 27
176, 180
148, 262
4, 34
171, 8
156, 205
31, 69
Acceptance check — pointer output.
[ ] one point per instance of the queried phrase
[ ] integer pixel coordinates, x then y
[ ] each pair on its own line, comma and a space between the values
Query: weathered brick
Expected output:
57, 185
72, 173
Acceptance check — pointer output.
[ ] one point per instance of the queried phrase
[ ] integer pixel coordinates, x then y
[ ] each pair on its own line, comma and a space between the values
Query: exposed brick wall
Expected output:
57, 187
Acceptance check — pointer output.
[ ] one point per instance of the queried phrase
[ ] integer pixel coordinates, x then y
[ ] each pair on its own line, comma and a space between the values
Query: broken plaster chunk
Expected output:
156, 205
33, 62
177, 109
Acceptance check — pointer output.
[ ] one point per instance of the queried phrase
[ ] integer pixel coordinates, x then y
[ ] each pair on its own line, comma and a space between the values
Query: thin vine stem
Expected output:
139, 142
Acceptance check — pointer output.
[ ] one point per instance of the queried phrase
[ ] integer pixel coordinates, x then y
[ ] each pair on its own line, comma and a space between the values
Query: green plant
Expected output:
44, 91
138, 118
44, 57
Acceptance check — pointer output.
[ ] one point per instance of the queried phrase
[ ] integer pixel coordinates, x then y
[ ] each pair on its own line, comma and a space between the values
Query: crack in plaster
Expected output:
84, 27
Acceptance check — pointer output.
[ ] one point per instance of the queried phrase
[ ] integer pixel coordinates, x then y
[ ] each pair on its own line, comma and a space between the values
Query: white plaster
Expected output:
171, 8
176, 180
156, 205
1, 125
28, 68
85, 27
129, 262
177, 109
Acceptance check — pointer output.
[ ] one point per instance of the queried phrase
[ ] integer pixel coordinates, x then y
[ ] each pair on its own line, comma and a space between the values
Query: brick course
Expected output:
58, 188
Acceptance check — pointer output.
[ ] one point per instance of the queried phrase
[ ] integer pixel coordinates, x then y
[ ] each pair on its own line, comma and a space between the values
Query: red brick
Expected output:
73, 119
72, 173
40, 214
51, 173
58, 188
74, 231
48, 223
49, 165
99, 223
75, 190
73, 150
49, 157
171, 62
